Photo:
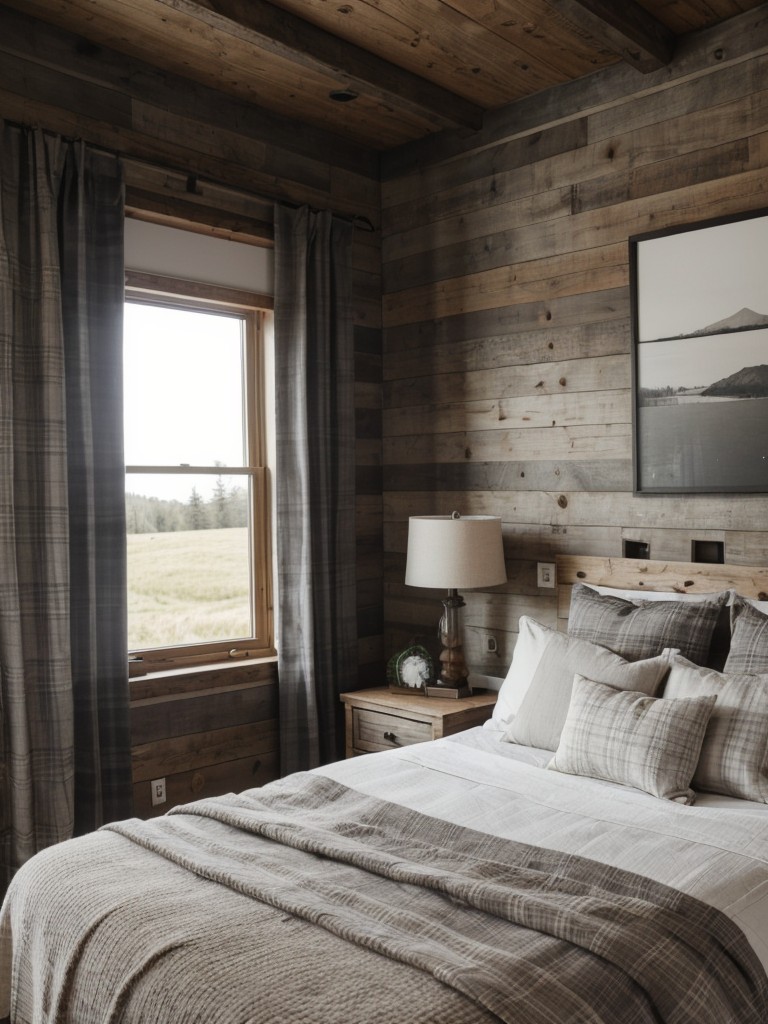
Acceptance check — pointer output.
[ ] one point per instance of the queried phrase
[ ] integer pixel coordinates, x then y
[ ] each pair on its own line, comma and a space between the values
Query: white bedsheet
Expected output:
715, 850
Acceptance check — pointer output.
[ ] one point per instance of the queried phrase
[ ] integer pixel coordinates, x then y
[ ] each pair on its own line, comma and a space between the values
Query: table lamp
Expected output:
454, 552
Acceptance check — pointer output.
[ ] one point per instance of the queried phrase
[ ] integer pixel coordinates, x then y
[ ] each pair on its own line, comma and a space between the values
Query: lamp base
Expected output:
448, 691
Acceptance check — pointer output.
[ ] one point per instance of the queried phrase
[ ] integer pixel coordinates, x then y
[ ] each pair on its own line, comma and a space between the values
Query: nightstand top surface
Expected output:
437, 707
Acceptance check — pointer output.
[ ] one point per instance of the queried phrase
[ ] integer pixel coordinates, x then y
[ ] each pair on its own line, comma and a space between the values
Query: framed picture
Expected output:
700, 357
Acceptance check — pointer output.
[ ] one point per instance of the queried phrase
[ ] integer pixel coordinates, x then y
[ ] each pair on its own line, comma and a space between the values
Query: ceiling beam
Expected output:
307, 46
627, 28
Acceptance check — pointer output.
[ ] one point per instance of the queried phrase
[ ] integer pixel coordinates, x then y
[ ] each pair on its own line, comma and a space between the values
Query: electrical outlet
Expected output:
545, 574
490, 644
158, 791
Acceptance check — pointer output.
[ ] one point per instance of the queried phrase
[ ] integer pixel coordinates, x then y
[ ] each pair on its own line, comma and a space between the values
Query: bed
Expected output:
598, 852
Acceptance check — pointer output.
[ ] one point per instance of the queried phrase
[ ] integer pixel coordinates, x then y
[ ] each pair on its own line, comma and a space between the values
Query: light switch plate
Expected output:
545, 574
158, 791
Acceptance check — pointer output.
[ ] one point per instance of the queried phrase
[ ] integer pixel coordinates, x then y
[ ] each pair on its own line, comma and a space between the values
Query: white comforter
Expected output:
715, 850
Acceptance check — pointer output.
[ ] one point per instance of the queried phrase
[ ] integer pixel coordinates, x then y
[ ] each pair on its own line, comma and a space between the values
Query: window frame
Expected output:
253, 308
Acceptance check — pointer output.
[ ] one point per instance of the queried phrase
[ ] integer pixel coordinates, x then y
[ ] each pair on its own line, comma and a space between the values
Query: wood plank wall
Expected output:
507, 319
197, 156
204, 732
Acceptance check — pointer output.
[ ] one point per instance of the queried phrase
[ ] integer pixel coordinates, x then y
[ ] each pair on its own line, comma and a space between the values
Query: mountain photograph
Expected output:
702, 407
700, 333
745, 320
750, 382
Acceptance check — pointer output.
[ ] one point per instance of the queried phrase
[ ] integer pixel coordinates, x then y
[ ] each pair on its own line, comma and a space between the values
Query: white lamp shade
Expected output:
455, 553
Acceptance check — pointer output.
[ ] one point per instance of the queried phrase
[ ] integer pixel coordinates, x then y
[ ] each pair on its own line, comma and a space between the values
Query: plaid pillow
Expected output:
734, 756
749, 639
643, 629
635, 740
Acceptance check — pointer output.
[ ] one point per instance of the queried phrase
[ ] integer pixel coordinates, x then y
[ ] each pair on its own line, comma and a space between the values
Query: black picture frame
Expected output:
699, 299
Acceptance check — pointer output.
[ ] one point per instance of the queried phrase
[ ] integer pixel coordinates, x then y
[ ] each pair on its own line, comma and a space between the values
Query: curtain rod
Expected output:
356, 219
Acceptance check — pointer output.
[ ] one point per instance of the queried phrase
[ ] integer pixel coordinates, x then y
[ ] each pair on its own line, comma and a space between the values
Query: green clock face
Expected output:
411, 668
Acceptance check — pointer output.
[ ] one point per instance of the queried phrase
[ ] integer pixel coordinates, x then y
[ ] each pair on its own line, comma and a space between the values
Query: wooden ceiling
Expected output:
415, 66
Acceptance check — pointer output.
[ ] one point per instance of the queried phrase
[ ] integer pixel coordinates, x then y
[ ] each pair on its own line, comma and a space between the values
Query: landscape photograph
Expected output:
701, 359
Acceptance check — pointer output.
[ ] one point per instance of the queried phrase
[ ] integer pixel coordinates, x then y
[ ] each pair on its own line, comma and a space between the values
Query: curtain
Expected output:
64, 731
315, 489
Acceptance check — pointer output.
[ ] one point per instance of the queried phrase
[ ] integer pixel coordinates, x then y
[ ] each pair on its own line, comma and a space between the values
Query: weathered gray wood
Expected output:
538, 280
534, 475
596, 442
618, 155
547, 344
550, 238
640, 39
533, 540
726, 86
538, 412
717, 48
405, 237
747, 547
88, 69
298, 41
678, 153
718, 162
514, 21
176, 212
506, 156
212, 50
154, 720
602, 373
739, 513
187, 753
501, 325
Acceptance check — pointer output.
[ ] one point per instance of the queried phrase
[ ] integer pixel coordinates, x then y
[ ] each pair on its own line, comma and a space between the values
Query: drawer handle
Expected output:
391, 737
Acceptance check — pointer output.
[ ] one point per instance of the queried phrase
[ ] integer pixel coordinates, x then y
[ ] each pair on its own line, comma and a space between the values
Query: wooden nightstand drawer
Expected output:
374, 730
380, 719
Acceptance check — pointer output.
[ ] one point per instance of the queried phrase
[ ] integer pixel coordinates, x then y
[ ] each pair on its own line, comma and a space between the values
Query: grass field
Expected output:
188, 587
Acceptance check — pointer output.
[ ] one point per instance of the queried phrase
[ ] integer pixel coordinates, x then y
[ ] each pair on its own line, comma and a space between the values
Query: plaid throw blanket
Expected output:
526, 933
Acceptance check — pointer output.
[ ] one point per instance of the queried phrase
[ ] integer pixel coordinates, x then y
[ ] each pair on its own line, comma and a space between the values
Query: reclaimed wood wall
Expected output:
196, 156
505, 362
507, 319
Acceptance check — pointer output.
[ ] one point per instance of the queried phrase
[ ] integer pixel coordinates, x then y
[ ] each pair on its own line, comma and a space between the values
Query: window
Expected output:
196, 480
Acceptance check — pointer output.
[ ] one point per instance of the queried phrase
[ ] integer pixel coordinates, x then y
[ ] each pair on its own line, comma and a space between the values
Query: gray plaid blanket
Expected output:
495, 930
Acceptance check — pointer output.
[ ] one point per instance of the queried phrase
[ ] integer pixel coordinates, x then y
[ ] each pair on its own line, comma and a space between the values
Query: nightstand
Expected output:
381, 719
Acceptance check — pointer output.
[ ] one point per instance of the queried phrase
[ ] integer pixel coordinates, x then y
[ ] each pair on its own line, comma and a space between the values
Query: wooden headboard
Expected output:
644, 575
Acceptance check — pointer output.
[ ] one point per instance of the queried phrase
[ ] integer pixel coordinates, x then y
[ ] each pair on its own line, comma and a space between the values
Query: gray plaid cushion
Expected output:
749, 639
635, 740
734, 756
643, 629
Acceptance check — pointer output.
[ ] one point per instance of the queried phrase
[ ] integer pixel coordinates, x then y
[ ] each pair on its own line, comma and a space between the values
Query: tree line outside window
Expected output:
227, 507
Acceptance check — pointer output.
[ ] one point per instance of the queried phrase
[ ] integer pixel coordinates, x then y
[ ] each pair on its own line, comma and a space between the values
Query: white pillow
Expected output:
658, 595
531, 643
534, 698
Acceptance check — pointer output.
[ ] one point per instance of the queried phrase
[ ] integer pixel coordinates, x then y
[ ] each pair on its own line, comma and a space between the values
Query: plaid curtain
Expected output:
63, 665
315, 488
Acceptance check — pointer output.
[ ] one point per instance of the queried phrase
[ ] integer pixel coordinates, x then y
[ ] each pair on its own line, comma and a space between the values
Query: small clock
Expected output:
410, 670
